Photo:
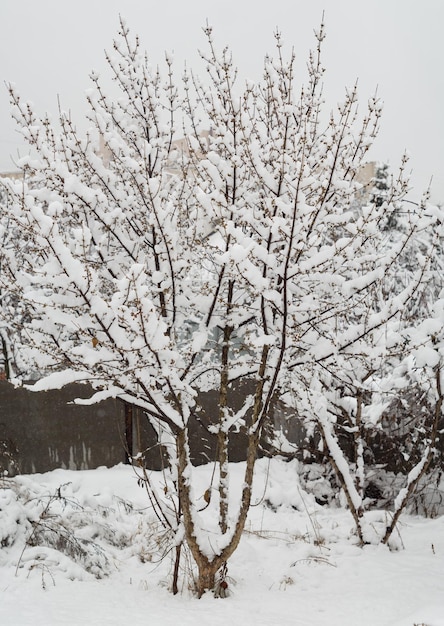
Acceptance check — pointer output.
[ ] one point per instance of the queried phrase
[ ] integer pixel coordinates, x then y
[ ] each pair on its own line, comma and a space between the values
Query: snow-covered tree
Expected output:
155, 267
358, 387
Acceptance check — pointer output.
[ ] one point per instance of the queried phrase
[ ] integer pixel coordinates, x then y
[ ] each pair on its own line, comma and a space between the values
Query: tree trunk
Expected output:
207, 569
129, 432
347, 485
207, 575
175, 586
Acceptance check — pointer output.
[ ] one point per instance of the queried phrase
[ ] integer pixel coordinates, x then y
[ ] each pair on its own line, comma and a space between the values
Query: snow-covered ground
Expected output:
298, 563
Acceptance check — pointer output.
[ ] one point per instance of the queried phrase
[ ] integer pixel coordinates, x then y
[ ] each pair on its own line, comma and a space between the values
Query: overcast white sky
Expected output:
49, 47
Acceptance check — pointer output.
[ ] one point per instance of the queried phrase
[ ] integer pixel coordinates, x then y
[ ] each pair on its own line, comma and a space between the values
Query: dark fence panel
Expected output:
41, 431
45, 430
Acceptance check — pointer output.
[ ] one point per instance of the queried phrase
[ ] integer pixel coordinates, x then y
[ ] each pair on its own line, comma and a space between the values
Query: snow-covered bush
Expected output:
56, 532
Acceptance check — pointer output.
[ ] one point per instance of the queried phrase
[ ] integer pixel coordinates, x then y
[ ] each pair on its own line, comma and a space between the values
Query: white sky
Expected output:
49, 47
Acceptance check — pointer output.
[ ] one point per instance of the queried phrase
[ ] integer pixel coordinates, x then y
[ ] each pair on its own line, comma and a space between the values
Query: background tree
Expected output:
356, 388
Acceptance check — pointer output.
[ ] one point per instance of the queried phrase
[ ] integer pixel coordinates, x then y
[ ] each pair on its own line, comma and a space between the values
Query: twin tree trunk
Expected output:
208, 567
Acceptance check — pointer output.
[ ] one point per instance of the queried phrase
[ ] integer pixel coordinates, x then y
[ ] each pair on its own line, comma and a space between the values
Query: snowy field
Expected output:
93, 557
